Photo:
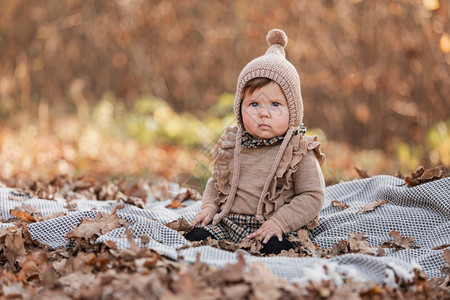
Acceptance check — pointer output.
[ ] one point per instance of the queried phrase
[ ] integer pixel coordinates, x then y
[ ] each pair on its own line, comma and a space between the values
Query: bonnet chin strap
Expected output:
235, 179
276, 163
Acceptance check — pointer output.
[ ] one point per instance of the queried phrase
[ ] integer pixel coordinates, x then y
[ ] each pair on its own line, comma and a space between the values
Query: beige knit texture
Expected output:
295, 194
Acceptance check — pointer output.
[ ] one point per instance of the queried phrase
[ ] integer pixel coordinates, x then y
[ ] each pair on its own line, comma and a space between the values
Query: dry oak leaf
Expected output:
175, 204
339, 248
189, 194
372, 205
400, 242
180, 224
358, 244
422, 175
24, 216
136, 201
99, 225
306, 244
440, 247
340, 204
13, 245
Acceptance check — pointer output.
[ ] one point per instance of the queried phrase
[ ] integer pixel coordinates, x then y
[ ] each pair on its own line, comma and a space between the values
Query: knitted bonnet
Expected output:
272, 65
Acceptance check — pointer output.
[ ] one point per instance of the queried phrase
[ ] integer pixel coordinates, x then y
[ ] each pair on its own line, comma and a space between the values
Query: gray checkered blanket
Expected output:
422, 212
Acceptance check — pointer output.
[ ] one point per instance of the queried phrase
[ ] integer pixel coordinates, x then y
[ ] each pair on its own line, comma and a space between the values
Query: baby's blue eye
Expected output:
254, 104
276, 104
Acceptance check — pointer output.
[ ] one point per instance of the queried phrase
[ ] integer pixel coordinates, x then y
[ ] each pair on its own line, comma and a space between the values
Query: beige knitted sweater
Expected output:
296, 191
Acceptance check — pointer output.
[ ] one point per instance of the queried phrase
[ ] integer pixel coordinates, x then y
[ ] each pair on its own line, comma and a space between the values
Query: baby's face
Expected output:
265, 113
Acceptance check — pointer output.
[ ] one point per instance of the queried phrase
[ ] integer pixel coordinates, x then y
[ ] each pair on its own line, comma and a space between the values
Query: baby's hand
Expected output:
204, 217
267, 230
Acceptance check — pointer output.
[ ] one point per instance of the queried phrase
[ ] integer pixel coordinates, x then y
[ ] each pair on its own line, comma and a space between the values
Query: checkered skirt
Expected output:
235, 227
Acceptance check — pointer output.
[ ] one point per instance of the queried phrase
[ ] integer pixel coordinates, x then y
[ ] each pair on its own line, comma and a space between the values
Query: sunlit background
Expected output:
145, 88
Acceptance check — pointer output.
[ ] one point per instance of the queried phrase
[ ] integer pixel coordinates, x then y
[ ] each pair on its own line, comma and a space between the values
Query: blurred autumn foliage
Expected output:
375, 74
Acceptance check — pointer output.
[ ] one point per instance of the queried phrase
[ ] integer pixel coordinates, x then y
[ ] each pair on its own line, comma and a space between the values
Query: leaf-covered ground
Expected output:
30, 269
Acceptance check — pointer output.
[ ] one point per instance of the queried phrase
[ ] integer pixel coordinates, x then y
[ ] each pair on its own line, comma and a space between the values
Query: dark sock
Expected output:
197, 234
274, 246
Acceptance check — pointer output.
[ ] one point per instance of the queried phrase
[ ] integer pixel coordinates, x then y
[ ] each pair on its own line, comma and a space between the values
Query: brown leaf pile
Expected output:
30, 270
81, 188
82, 273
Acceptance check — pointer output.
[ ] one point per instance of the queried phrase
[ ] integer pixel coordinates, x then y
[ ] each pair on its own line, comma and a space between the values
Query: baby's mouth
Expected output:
264, 126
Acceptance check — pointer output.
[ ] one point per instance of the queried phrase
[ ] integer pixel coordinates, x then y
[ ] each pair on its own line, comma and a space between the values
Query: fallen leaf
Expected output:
433, 174
138, 202
399, 241
32, 265
33, 210
447, 256
24, 216
340, 204
372, 205
289, 253
339, 248
139, 190
175, 204
422, 175
441, 247
101, 224
14, 246
362, 173
112, 245
189, 194
358, 244
306, 242
380, 251
180, 224
446, 271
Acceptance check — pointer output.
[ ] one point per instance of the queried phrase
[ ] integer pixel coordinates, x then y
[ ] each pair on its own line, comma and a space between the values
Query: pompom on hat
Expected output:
272, 65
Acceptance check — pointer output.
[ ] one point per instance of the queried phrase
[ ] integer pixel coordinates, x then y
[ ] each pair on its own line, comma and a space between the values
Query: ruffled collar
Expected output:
249, 141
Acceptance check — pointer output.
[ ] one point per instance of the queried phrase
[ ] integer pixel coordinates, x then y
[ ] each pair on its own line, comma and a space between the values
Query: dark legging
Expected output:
273, 246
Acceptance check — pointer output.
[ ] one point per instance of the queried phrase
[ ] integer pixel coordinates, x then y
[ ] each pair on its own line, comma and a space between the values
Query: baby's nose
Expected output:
264, 111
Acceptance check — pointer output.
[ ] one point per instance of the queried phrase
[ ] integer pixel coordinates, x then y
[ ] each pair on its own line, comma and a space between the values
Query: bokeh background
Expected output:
145, 88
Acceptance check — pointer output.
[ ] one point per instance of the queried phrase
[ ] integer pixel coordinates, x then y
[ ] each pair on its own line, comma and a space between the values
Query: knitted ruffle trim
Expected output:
296, 149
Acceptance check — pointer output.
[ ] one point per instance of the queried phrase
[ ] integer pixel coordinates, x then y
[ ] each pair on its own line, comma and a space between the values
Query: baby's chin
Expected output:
265, 135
